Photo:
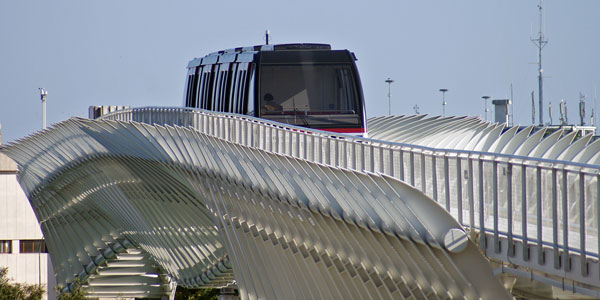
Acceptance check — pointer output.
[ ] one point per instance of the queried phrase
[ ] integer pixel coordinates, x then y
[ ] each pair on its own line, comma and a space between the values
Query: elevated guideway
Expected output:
302, 213
535, 192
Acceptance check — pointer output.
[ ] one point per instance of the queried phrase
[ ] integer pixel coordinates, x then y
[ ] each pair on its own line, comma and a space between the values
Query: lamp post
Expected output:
43, 94
485, 99
443, 101
389, 82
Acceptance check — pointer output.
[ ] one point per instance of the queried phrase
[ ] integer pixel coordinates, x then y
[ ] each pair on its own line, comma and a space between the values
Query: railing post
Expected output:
495, 205
313, 147
482, 237
511, 249
412, 168
433, 178
555, 219
345, 154
304, 138
401, 156
471, 196
447, 183
524, 212
566, 260
459, 192
381, 163
540, 245
337, 153
598, 214
297, 139
256, 135
391, 162
371, 158
352, 161
582, 252
320, 149
423, 171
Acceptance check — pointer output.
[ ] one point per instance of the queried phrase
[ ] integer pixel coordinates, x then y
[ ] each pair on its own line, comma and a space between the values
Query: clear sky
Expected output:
135, 52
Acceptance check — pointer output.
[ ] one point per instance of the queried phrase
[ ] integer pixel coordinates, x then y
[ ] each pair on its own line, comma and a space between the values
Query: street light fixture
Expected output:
43, 94
389, 82
485, 100
443, 101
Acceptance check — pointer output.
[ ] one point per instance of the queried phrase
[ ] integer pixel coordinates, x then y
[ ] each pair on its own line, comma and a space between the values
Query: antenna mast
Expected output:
581, 109
532, 108
512, 112
267, 33
540, 42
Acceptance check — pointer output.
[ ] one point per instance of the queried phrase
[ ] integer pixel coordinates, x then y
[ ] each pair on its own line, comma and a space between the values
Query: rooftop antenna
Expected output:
593, 116
416, 108
540, 42
43, 94
581, 109
512, 120
550, 112
566, 114
267, 36
564, 117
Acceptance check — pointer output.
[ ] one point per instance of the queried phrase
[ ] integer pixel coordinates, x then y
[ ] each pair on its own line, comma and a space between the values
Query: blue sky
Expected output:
135, 52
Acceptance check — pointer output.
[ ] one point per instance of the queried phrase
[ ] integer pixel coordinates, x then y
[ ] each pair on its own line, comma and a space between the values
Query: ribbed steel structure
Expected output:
199, 201
472, 134
212, 199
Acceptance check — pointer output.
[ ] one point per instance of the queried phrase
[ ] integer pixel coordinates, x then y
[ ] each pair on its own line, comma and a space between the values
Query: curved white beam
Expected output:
289, 226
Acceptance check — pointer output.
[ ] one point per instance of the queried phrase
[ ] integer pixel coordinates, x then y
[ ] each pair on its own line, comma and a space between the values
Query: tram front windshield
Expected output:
318, 95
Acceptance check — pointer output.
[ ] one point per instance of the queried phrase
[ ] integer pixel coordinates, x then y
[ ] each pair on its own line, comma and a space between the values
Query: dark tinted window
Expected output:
5, 246
315, 95
33, 246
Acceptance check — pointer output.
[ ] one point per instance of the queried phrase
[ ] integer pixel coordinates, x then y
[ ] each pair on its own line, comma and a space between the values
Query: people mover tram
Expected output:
306, 85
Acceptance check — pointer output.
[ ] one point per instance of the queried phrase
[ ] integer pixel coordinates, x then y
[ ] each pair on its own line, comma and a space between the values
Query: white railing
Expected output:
543, 204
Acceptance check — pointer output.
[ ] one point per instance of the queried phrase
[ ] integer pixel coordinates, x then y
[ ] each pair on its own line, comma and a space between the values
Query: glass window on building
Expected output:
33, 246
5, 246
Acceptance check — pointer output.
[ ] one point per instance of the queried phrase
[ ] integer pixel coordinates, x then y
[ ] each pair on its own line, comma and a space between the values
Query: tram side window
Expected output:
227, 91
215, 90
188, 96
238, 89
201, 83
231, 88
207, 86
215, 93
203, 100
250, 91
243, 90
194, 94
223, 88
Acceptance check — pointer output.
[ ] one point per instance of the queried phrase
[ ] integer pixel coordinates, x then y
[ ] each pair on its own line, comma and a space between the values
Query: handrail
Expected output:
539, 201
112, 115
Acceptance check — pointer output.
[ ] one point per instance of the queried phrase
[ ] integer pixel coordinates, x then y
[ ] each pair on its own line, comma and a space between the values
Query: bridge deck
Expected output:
535, 198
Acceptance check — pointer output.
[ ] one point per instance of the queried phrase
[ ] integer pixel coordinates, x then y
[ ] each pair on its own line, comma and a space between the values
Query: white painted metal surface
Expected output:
288, 210
299, 211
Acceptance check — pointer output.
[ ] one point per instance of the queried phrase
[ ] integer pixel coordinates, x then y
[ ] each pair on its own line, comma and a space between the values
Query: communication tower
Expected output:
540, 42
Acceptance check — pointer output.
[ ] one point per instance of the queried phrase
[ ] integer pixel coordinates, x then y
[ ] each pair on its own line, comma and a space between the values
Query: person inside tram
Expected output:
269, 105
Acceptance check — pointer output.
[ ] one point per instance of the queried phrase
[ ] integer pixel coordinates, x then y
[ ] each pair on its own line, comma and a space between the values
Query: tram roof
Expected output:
246, 54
